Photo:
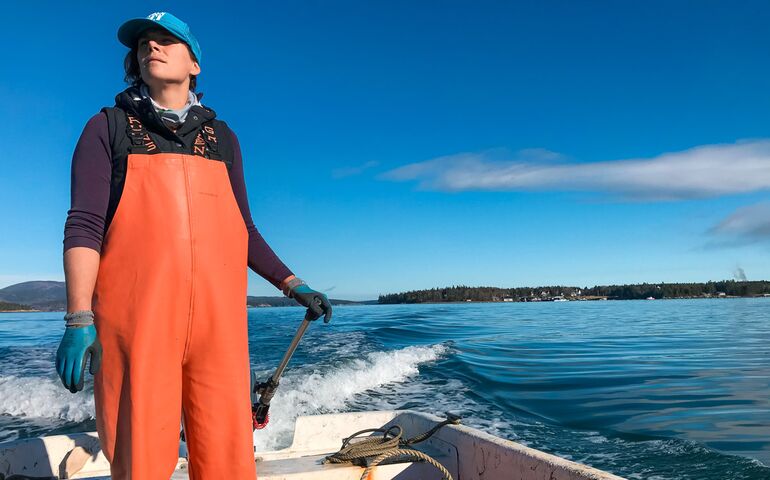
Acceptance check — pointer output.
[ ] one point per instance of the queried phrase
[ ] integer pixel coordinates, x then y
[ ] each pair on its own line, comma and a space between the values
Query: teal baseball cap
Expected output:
129, 32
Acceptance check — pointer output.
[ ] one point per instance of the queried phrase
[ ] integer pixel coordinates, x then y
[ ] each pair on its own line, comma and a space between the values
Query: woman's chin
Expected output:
159, 77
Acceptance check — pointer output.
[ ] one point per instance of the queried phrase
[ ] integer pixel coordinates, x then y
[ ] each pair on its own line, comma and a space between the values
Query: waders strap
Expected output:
141, 142
206, 143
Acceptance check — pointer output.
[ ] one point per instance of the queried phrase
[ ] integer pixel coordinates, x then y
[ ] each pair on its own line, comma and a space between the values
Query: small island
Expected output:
641, 291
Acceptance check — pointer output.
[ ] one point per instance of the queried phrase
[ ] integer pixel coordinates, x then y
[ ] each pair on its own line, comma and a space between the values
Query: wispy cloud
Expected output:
700, 172
746, 225
350, 171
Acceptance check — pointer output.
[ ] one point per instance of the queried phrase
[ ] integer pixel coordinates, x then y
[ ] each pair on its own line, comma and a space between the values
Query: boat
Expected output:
466, 453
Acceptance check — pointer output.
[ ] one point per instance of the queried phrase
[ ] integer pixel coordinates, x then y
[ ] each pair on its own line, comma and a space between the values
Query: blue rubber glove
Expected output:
76, 345
317, 303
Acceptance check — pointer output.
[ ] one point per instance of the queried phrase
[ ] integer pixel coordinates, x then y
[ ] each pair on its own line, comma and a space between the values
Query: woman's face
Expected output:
163, 58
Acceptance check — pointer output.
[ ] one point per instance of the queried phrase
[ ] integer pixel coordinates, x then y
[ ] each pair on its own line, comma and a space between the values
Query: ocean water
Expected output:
671, 389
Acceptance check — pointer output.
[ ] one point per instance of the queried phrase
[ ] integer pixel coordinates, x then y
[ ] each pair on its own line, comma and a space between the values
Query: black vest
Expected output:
128, 121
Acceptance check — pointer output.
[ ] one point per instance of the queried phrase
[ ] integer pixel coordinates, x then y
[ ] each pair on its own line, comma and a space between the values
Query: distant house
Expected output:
721, 294
509, 299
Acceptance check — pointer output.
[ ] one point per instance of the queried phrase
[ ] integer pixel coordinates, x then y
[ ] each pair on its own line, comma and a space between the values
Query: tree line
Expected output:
463, 293
11, 307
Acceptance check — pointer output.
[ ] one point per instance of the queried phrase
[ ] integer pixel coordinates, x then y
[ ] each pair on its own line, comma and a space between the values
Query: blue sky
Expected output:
399, 145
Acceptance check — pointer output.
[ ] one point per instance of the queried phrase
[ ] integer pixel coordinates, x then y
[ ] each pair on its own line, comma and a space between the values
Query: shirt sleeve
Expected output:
89, 186
262, 259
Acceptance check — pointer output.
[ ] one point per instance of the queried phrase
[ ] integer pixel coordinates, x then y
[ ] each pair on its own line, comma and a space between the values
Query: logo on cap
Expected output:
155, 16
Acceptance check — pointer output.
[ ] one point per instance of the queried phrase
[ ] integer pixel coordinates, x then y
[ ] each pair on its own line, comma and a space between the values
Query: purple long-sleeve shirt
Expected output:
90, 194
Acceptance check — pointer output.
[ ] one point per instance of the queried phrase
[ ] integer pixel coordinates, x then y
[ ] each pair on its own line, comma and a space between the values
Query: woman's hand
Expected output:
77, 344
316, 302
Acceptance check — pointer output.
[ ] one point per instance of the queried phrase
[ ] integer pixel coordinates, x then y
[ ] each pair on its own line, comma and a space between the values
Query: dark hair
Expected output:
134, 77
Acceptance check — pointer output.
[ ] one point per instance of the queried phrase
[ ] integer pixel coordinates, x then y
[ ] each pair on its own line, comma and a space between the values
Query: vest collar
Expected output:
130, 100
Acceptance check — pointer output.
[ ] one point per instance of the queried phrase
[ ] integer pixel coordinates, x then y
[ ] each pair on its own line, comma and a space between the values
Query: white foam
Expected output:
325, 392
45, 398
302, 392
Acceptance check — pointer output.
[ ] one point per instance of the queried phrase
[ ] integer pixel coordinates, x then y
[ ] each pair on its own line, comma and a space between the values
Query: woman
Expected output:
156, 246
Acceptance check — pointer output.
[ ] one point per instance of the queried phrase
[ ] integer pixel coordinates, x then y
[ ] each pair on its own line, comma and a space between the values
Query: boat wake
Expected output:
306, 390
41, 397
329, 391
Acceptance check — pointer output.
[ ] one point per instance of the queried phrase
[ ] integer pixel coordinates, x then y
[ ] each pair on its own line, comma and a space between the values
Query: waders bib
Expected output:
170, 311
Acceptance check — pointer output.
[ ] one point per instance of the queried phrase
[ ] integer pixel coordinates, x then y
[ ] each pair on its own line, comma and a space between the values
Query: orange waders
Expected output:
170, 313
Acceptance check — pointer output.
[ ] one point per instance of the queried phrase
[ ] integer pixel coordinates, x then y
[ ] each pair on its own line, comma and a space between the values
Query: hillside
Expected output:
42, 295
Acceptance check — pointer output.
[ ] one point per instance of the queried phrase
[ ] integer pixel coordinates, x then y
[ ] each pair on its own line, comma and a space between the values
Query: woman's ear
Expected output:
196, 69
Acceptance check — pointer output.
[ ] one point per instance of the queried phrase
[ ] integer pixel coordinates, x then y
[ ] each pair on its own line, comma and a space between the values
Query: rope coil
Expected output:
387, 448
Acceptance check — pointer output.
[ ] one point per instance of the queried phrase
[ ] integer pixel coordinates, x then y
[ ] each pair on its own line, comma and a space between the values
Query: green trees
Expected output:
463, 293
8, 307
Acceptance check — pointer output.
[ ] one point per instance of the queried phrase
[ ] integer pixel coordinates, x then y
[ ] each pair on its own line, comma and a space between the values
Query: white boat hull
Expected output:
467, 453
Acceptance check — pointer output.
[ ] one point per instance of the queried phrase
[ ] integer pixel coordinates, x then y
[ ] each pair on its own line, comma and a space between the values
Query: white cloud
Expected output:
749, 224
357, 170
700, 172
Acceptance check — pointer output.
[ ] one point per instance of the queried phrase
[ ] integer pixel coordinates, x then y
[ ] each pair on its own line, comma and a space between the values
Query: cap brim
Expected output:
129, 32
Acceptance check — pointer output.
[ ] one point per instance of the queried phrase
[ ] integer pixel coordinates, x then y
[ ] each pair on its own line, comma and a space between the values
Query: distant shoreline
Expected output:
576, 300
50, 296
561, 293
731, 297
